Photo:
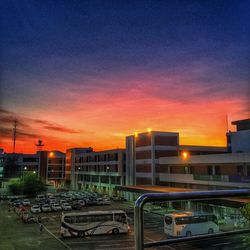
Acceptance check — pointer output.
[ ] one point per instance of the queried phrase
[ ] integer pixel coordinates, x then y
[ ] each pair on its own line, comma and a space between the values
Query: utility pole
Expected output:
14, 136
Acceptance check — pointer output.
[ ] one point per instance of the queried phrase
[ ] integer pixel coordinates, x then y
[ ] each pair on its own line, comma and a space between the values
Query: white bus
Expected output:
94, 222
190, 223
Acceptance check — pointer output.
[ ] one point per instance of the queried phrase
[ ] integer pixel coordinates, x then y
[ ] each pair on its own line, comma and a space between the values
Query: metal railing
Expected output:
178, 196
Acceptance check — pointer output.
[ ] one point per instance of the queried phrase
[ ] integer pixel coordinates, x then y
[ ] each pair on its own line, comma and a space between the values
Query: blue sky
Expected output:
65, 55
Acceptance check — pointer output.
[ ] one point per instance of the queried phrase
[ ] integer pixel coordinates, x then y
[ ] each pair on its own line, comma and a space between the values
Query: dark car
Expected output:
76, 206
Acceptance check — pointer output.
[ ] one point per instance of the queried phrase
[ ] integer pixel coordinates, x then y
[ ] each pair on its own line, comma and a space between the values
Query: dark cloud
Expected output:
7, 119
7, 133
61, 129
56, 127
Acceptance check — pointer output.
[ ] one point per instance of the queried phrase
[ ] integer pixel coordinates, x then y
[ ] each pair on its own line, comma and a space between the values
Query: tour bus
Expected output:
190, 223
94, 222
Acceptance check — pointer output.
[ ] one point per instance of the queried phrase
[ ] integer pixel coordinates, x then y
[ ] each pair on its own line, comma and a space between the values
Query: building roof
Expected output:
242, 124
152, 189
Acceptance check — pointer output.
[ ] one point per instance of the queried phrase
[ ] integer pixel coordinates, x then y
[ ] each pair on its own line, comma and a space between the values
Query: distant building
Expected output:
50, 165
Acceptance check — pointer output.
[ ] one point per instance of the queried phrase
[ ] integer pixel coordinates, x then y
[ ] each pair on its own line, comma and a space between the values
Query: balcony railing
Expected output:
178, 196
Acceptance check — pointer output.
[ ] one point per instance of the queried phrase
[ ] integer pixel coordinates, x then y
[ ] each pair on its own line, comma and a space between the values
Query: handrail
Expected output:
176, 196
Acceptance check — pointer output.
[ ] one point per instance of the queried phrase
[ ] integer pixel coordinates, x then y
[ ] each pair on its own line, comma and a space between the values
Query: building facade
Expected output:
144, 150
98, 171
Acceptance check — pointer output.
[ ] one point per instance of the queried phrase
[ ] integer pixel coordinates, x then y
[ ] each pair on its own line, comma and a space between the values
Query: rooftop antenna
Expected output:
39, 145
14, 136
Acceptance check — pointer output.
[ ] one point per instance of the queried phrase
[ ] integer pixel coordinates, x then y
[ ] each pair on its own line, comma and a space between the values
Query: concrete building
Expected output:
52, 167
97, 171
144, 150
203, 172
239, 141
49, 165
70, 171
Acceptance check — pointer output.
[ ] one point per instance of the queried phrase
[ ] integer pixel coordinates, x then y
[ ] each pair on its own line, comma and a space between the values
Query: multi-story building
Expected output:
98, 171
213, 171
70, 164
52, 167
144, 150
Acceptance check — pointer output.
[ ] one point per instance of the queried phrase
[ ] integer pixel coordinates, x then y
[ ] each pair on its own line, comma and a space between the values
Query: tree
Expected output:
28, 184
245, 211
10, 167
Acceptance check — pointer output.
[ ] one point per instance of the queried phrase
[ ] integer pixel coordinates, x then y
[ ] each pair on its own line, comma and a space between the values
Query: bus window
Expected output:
120, 218
68, 219
183, 220
168, 220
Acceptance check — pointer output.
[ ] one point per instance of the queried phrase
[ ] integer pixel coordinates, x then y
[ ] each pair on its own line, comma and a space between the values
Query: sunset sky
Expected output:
88, 73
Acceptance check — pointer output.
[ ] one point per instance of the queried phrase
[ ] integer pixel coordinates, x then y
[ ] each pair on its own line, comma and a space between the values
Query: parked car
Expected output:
82, 202
63, 201
56, 207
40, 197
26, 202
35, 209
50, 196
106, 202
27, 218
17, 203
101, 201
52, 201
76, 206
46, 208
66, 206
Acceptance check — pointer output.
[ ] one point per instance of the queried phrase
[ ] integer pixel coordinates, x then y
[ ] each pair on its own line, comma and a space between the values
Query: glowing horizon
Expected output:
89, 73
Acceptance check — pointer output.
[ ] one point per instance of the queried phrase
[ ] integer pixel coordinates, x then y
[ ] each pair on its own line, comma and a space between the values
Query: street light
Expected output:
34, 172
185, 155
24, 169
108, 168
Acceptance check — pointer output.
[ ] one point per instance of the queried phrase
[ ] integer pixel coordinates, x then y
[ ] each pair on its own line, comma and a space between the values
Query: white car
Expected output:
56, 207
66, 206
106, 202
35, 209
101, 201
26, 202
52, 200
46, 208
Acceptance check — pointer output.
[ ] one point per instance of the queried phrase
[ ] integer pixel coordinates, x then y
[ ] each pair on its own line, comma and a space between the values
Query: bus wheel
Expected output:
210, 230
188, 234
115, 231
81, 234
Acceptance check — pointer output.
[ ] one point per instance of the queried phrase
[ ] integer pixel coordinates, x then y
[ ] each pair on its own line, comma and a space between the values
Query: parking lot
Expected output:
19, 235
51, 222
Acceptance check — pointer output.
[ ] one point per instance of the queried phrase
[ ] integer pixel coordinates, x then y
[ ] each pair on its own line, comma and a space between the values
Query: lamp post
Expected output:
108, 168
24, 169
77, 185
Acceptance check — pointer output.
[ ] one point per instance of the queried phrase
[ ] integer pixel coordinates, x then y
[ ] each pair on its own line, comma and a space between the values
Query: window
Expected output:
168, 220
217, 170
210, 170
